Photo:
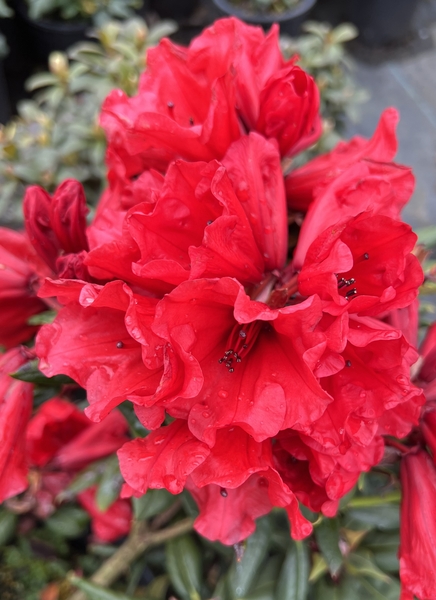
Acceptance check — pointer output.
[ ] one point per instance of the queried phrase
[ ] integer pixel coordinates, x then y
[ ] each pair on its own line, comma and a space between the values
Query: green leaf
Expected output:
368, 501
68, 522
96, 592
344, 33
30, 373
183, 560
262, 592
384, 547
160, 30
41, 80
83, 480
384, 517
189, 505
42, 318
380, 590
327, 537
110, 484
359, 564
246, 569
8, 523
152, 503
293, 582
266, 579
319, 567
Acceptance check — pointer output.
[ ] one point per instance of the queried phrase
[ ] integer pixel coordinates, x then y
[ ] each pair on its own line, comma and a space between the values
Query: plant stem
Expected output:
139, 540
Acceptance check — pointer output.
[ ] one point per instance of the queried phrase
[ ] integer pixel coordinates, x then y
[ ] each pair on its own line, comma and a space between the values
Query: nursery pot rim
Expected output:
257, 17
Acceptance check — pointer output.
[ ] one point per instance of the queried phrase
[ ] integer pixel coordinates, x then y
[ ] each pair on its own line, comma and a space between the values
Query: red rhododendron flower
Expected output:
351, 269
228, 336
60, 441
418, 527
123, 193
55, 424
207, 221
235, 469
103, 340
19, 274
62, 435
110, 524
383, 188
56, 225
319, 478
304, 183
264, 382
193, 103
406, 320
15, 408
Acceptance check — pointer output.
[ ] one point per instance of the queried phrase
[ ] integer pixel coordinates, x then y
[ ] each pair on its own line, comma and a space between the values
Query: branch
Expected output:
139, 540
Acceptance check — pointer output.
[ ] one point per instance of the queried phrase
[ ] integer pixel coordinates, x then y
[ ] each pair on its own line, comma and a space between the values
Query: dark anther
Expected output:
245, 346
191, 120
209, 223
221, 360
366, 256
242, 334
348, 363
120, 345
345, 282
224, 492
351, 293
231, 370
170, 104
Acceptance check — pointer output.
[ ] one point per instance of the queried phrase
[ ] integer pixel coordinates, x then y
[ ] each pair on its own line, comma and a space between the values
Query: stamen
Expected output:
191, 120
345, 282
170, 104
120, 345
348, 363
224, 492
241, 340
366, 256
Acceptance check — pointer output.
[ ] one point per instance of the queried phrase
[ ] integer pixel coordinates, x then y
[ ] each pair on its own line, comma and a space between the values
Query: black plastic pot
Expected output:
49, 35
5, 106
382, 22
174, 9
290, 21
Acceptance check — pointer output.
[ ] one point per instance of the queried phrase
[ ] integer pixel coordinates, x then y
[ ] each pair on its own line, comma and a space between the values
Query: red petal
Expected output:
164, 458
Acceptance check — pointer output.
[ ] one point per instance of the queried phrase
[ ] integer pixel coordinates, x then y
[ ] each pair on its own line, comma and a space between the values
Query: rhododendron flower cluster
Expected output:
267, 367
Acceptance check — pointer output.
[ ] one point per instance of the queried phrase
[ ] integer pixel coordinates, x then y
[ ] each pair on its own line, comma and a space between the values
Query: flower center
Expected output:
343, 284
345, 281
240, 342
